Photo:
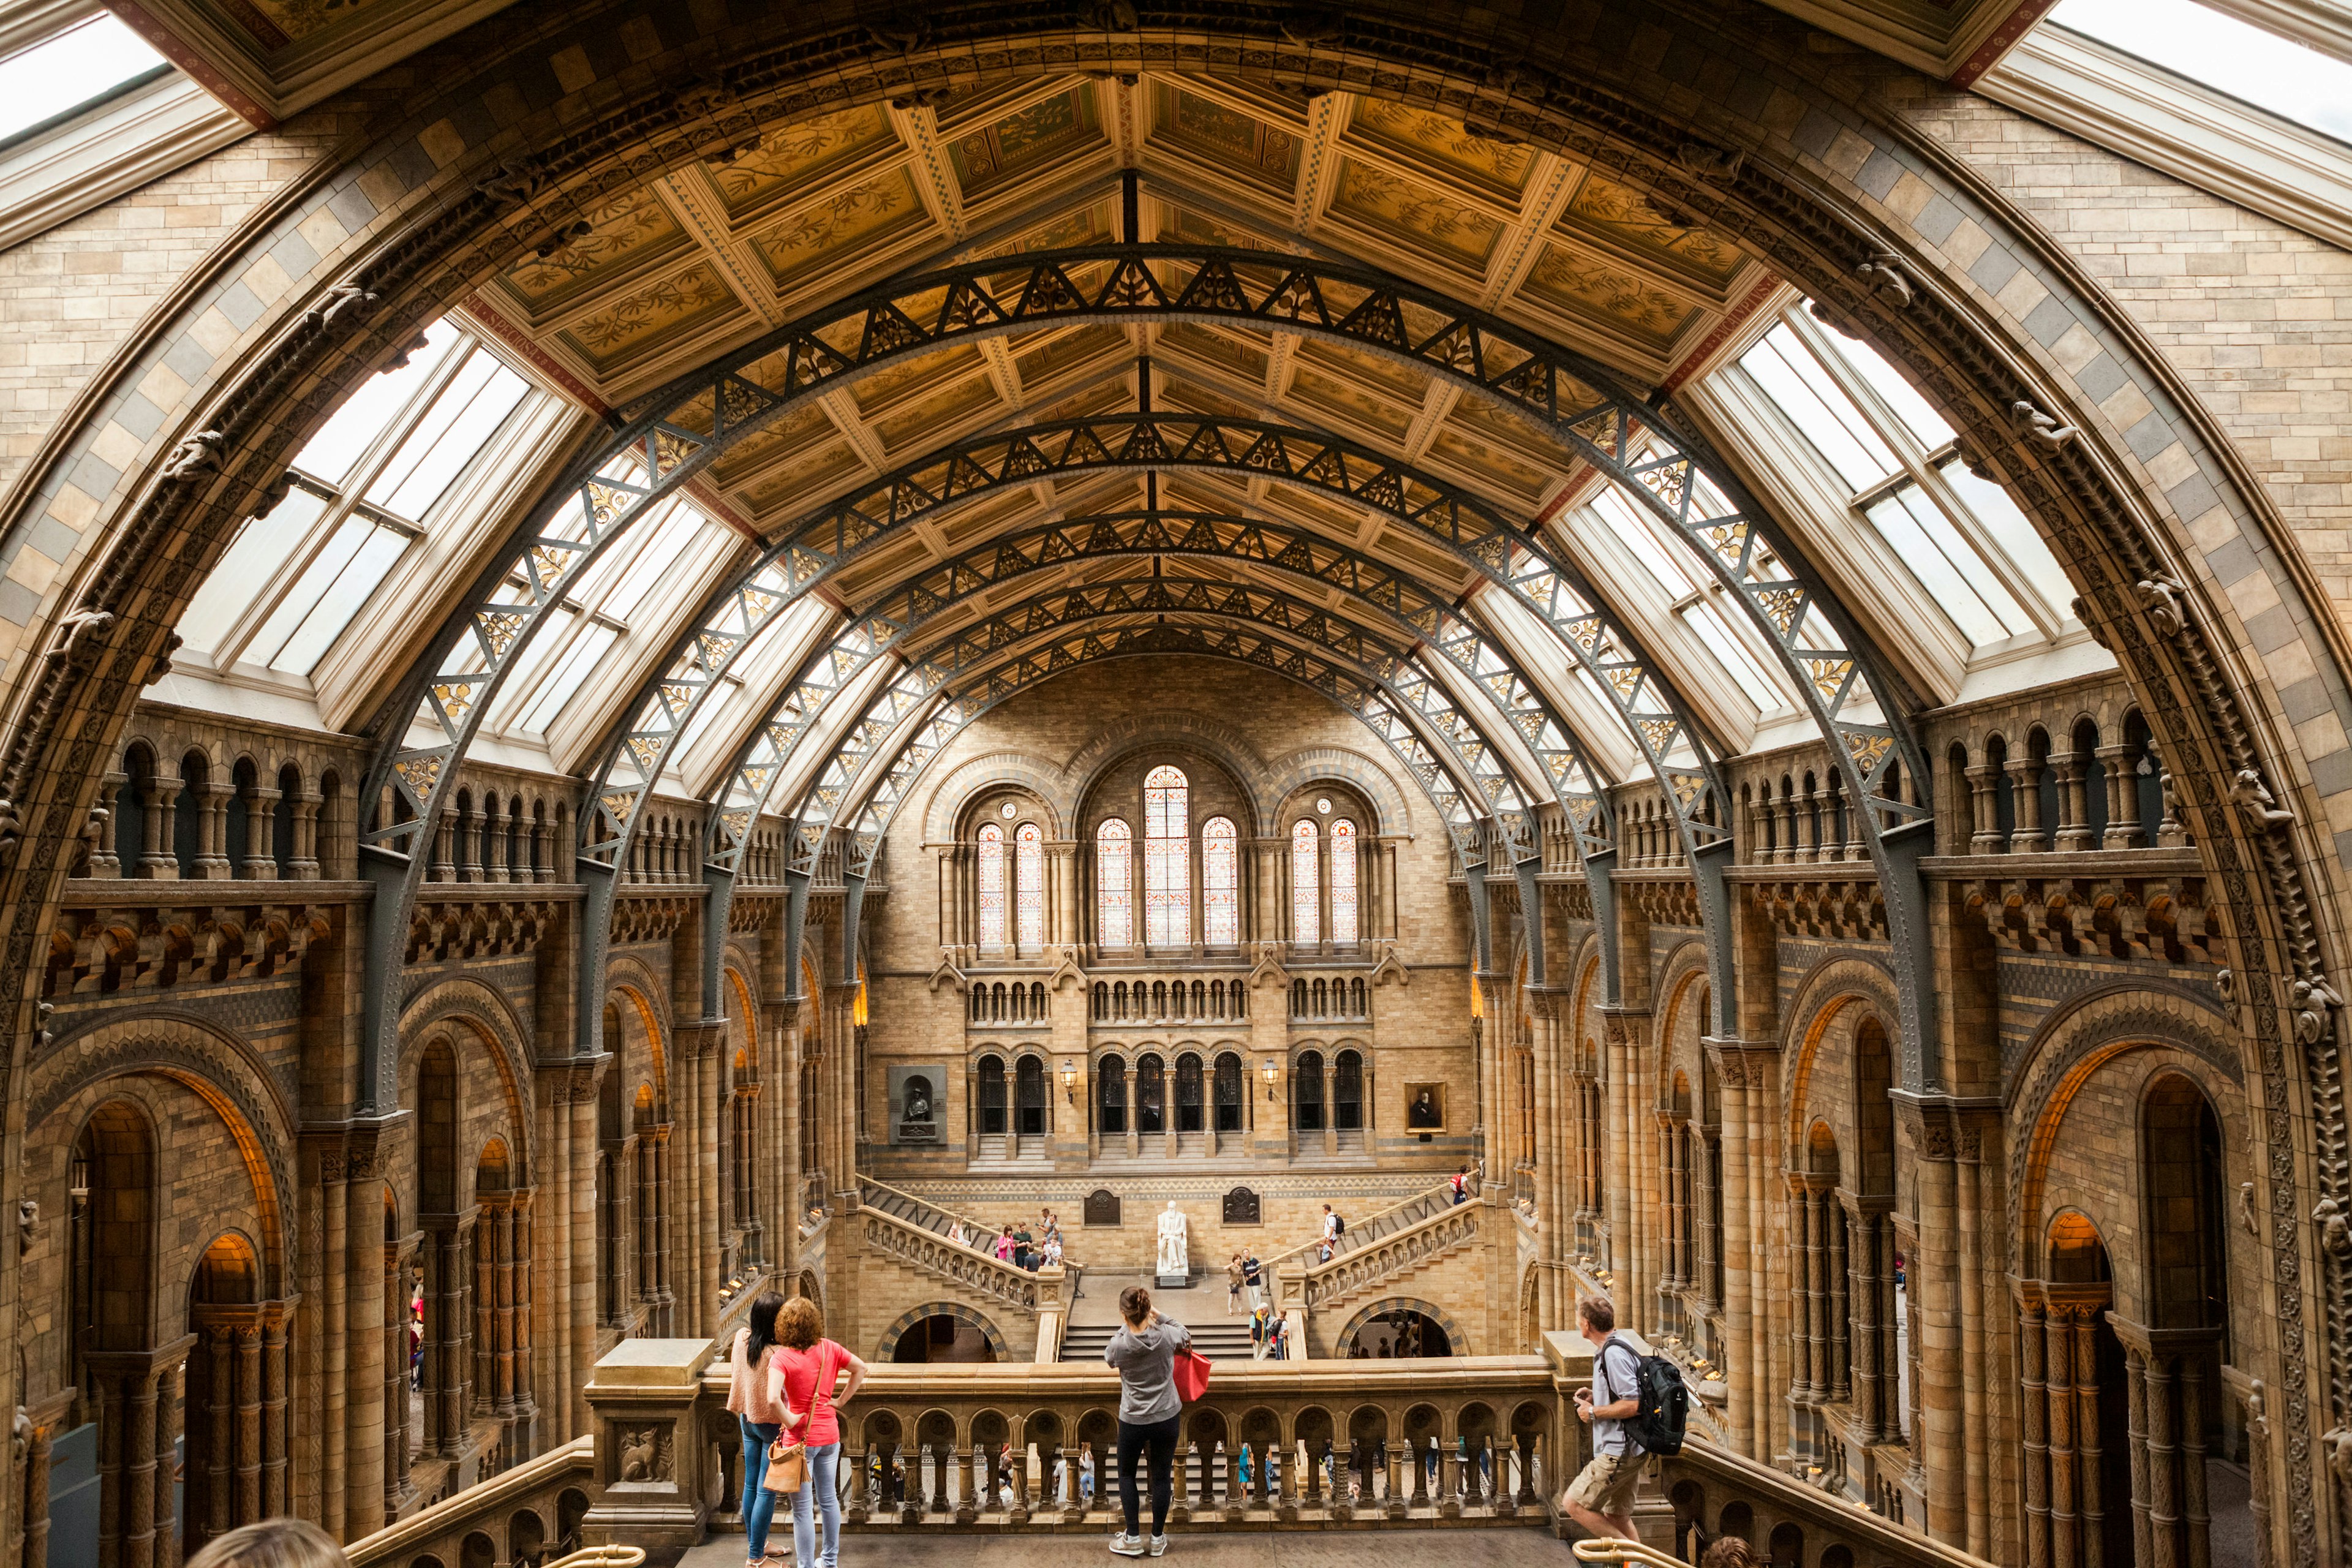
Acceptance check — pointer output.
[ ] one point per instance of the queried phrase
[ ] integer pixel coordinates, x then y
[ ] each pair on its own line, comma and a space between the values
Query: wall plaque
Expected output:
1102, 1206
1241, 1207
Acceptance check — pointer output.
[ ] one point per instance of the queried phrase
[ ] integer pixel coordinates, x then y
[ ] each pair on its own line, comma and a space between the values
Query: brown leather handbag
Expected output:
787, 1466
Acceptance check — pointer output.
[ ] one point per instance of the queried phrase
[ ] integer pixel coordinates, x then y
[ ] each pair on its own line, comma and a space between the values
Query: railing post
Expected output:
651, 1456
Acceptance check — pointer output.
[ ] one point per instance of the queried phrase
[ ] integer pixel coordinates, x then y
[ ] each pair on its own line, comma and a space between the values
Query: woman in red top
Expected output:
807, 1367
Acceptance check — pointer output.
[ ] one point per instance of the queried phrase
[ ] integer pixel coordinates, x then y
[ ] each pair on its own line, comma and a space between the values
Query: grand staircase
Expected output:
1219, 1338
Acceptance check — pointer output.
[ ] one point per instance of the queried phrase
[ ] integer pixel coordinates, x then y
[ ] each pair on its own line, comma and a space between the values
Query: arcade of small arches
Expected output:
1388, 671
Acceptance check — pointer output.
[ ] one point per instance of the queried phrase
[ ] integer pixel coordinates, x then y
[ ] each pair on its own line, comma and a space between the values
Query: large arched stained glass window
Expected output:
1115, 884
1029, 884
1166, 858
991, 886
1306, 883
1221, 900
1343, 881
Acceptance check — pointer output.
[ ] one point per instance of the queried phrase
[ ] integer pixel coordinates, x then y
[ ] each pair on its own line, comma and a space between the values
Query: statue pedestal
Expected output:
1171, 1281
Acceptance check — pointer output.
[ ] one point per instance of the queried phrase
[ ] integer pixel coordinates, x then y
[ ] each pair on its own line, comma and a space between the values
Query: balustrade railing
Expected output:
1171, 999
936, 1252
1364, 1232
1472, 1439
533, 1513
1412, 1234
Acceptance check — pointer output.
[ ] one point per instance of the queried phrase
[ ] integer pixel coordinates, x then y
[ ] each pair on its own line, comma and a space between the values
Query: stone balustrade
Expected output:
532, 1511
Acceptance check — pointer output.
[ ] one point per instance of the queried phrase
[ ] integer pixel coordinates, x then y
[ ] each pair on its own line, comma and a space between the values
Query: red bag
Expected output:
1192, 1374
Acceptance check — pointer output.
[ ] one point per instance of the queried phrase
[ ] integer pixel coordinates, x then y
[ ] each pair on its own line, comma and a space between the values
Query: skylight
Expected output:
62, 72
2223, 53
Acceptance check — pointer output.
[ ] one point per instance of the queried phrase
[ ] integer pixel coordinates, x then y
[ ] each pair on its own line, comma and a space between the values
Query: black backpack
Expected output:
1664, 1413
1339, 1223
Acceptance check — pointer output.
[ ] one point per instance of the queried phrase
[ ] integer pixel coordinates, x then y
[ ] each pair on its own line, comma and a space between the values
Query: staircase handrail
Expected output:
929, 1250
970, 1225
1874, 1538
1424, 1239
1362, 1233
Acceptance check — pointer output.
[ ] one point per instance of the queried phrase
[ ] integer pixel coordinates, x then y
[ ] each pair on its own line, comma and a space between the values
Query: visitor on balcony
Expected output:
808, 1367
272, 1543
1254, 1275
1600, 1499
1052, 1256
1235, 1274
1149, 1409
753, 1400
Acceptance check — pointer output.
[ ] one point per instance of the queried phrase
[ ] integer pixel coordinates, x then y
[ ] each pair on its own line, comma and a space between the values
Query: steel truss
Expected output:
681, 430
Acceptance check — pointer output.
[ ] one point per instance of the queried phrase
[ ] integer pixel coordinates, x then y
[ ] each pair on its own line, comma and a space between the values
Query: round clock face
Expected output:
1323, 805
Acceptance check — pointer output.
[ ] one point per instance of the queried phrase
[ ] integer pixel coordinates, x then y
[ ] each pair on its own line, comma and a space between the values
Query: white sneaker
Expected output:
1127, 1545
1158, 1546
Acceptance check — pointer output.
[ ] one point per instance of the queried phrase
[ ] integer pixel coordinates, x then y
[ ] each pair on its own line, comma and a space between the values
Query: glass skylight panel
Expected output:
1796, 381
366, 414
2013, 530
2283, 76
470, 408
1956, 576
1632, 530
1918, 416
579, 662
670, 536
85, 61
327, 596
1707, 620
261, 546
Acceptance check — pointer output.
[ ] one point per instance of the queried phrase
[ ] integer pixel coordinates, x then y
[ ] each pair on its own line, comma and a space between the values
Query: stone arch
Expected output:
1457, 1338
950, 799
1293, 771
887, 1345
1212, 737
630, 987
485, 1015
1827, 994
216, 1066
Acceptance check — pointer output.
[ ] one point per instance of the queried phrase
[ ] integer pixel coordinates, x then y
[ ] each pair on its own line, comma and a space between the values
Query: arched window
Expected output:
1166, 858
991, 886
1348, 1092
1029, 1096
1029, 883
1112, 1118
1308, 1093
1343, 881
992, 1096
1115, 884
1229, 1093
1188, 1093
1221, 904
1150, 1096
1306, 883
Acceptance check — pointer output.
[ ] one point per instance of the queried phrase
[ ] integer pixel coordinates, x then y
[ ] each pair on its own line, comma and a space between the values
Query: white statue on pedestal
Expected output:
1175, 1240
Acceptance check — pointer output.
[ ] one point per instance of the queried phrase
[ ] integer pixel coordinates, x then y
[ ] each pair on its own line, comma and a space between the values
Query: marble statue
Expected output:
1175, 1241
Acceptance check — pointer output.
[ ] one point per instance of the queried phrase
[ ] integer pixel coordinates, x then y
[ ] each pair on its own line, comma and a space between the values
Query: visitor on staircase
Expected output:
1600, 1499
1149, 1411
753, 1399
1235, 1274
807, 1368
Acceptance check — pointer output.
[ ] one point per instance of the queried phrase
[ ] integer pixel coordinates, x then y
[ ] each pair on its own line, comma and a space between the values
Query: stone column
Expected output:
2034, 1421
2025, 775
158, 860
2073, 802
364, 1349
2124, 828
575, 1214
305, 862
213, 799
1939, 1437
1744, 1414
648, 1410
260, 835
1984, 809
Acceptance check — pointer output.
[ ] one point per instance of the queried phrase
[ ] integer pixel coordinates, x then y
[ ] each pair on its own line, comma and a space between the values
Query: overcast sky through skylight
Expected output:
2237, 58
72, 68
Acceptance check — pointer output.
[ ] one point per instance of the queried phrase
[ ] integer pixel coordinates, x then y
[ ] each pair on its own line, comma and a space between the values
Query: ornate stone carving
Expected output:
1308, 24
2255, 802
646, 1454
1113, 16
2315, 1001
345, 304
81, 635
163, 664
199, 454
1716, 163
1883, 274
2246, 1211
2161, 598
2334, 1229
517, 180
28, 1220
2036, 426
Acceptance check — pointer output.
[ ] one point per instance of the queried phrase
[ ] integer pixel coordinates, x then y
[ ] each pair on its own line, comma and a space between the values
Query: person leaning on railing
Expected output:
807, 1367
753, 1400
1149, 1411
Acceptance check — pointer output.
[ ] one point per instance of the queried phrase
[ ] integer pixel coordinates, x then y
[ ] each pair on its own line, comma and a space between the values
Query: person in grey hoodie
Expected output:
1149, 1411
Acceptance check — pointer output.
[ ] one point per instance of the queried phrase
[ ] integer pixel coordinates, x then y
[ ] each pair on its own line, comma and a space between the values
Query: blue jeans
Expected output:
823, 1485
758, 1502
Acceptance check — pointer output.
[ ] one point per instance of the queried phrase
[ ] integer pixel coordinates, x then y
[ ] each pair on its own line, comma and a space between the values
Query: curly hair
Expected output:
272, 1543
798, 1324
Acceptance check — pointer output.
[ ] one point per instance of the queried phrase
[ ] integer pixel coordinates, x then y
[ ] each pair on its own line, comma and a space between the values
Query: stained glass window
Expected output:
1343, 881
991, 886
1029, 884
1220, 905
1306, 882
1166, 858
1115, 884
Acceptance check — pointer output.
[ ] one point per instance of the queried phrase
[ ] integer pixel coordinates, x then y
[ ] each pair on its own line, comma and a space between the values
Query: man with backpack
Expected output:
1638, 1410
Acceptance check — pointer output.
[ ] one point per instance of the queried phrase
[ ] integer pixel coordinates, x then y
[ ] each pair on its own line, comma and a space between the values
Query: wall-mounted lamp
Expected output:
1270, 1077
1069, 1081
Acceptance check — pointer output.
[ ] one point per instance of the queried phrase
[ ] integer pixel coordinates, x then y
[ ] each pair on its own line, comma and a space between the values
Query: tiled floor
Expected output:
1497, 1548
